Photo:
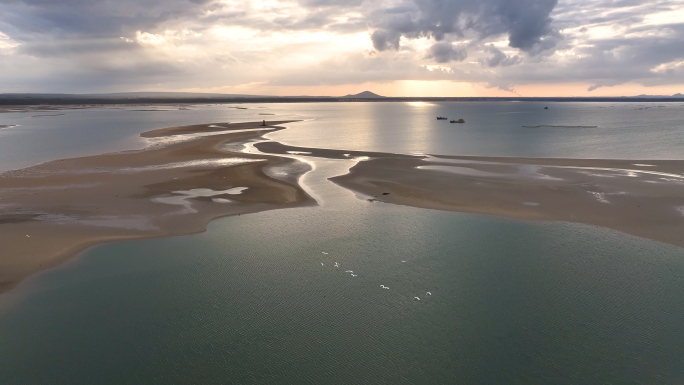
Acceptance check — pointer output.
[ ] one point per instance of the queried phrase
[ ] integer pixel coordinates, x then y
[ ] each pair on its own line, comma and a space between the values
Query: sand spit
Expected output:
283, 149
638, 197
609, 193
51, 211
205, 128
557, 126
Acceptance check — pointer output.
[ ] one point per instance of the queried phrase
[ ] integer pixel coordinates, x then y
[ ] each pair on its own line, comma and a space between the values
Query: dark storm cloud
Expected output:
526, 23
92, 17
446, 52
499, 58
384, 40
620, 60
48, 28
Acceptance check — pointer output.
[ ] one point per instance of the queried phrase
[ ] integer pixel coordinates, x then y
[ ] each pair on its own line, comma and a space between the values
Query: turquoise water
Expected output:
248, 301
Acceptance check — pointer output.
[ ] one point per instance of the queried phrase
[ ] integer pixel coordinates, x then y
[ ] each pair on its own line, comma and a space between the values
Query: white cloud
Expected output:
7, 44
668, 67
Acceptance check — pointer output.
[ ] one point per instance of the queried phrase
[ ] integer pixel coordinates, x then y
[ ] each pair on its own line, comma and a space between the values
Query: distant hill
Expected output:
658, 96
363, 95
36, 99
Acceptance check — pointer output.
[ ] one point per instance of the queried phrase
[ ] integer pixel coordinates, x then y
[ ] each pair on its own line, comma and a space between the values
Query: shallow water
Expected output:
98, 130
495, 129
248, 301
492, 128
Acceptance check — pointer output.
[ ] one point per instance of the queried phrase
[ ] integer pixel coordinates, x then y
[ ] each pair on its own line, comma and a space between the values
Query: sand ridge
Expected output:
51, 211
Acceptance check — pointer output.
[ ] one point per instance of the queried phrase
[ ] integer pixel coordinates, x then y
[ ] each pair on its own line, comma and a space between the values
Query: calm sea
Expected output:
255, 299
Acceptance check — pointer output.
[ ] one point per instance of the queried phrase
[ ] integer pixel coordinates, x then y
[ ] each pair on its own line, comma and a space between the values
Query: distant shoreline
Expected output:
8, 104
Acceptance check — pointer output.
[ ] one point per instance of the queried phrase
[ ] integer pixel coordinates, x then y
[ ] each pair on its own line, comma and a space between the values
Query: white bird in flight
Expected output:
337, 264
354, 275
384, 287
325, 253
428, 293
417, 298
403, 261
322, 264
349, 271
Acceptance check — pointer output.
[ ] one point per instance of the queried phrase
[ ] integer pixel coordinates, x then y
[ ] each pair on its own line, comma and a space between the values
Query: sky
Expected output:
338, 47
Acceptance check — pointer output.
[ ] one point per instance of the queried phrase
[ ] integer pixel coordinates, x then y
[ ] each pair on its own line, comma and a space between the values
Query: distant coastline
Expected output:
17, 103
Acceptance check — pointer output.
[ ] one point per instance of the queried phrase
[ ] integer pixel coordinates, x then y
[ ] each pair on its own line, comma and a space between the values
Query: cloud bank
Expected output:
122, 45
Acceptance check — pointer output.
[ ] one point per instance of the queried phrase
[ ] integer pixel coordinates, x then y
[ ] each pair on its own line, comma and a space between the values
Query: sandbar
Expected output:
52, 211
639, 197
646, 202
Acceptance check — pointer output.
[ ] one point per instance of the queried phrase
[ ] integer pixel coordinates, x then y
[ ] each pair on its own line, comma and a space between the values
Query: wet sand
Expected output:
52, 211
207, 128
639, 197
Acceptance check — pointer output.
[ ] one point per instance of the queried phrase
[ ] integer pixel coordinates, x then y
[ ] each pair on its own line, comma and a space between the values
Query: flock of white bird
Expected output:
351, 272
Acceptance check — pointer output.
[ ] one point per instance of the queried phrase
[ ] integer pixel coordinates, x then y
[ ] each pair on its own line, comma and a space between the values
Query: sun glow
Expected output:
419, 104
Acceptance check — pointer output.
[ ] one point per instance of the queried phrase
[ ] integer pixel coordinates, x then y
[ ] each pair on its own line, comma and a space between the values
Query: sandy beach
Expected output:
178, 184
639, 197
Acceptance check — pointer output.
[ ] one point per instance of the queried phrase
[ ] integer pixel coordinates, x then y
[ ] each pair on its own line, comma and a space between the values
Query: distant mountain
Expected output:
658, 96
364, 95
